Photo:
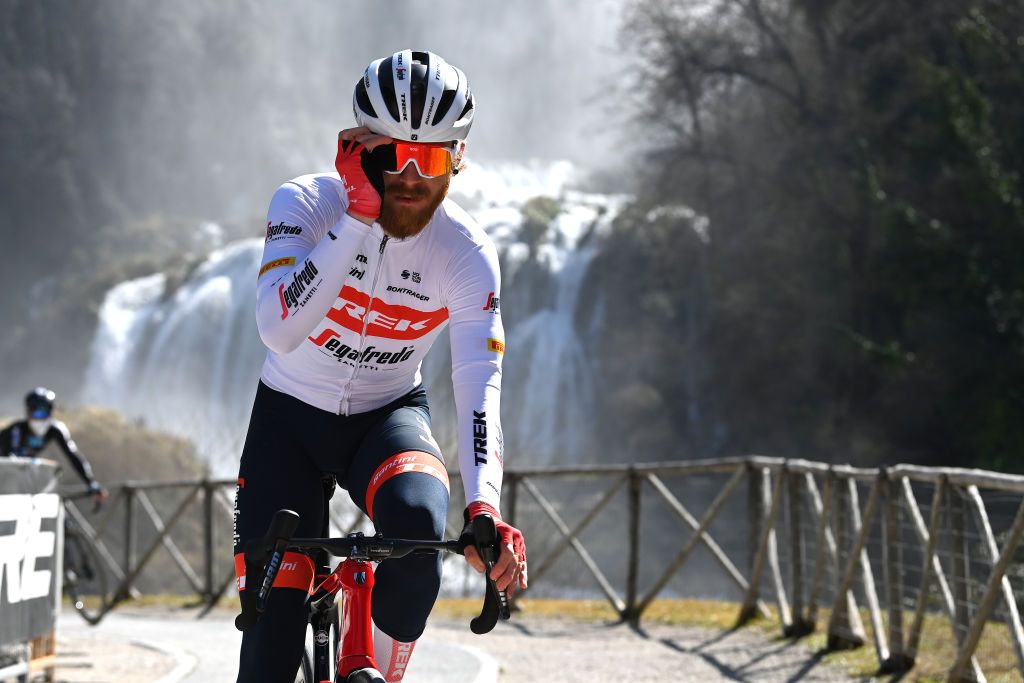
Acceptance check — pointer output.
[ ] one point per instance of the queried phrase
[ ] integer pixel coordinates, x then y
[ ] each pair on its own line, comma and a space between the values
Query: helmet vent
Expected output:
386, 79
363, 100
443, 106
417, 89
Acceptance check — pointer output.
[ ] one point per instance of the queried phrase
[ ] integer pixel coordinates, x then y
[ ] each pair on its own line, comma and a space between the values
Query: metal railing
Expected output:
930, 554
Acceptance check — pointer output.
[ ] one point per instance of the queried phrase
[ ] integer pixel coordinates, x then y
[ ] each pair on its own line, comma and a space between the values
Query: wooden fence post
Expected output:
845, 628
892, 555
761, 558
800, 625
633, 570
209, 540
962, 670
962, 572
130, 539
756, 513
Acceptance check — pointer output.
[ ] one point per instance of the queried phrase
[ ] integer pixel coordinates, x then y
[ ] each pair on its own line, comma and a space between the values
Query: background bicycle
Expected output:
85, 578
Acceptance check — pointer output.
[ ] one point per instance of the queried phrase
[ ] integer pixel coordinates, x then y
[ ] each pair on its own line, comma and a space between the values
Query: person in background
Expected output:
26, 438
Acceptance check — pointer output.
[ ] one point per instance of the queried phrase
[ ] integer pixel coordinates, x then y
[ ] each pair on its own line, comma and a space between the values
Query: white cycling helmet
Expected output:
414, 96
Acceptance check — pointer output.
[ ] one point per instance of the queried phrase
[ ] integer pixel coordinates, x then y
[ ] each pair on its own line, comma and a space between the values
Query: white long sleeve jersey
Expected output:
348, 314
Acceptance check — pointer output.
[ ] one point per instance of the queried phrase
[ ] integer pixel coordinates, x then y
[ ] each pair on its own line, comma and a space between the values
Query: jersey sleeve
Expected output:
309, 250
477, 345
59, 432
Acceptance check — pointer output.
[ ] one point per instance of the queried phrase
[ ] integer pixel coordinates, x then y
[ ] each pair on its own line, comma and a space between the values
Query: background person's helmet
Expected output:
39, 403
414, 96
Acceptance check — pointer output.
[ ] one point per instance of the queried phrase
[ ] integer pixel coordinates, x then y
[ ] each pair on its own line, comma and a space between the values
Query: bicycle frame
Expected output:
354, 578
82, 559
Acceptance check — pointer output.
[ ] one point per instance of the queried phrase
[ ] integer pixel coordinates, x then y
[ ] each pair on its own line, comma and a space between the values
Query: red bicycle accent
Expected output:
353, 577
356, 651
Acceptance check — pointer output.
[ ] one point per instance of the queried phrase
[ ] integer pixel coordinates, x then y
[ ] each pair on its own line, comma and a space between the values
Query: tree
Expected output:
861, 172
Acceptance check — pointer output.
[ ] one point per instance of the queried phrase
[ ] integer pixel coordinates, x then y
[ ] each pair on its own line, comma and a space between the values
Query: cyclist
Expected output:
361, 271
25, 438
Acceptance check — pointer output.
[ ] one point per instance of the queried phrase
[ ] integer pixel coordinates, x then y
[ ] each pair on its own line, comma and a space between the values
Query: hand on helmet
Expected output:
363, 180
510, 569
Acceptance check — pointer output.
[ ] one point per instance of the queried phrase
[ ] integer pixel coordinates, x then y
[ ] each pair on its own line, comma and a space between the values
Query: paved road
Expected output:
174, 647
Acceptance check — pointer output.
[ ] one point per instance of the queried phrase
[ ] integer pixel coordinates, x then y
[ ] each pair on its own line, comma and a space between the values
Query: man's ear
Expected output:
457, 164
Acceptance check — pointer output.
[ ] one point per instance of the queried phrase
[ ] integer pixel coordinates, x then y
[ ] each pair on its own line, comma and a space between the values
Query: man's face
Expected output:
410, 201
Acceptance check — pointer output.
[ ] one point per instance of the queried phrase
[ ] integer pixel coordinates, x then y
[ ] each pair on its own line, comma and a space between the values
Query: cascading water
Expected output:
186, 358
181, 359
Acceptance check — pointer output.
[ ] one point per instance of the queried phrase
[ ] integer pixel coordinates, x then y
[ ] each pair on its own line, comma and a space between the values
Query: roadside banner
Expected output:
31, 537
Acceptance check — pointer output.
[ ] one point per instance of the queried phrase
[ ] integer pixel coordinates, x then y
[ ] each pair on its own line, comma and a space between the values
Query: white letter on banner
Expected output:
17, 508
39, 545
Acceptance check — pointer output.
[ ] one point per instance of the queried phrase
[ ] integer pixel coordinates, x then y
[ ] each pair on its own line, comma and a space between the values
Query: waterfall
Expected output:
186, 358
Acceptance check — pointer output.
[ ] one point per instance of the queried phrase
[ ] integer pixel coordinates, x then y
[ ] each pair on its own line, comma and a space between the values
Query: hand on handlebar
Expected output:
99, 494
510, 570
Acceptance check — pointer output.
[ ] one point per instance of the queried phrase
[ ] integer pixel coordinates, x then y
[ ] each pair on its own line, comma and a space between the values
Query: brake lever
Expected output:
495, 607
263, 559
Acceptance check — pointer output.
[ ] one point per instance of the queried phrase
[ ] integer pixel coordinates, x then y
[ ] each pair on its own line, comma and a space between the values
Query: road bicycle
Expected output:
85, 580
347, 645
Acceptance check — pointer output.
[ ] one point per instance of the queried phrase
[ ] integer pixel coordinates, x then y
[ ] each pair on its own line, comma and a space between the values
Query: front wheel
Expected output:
365, 676
84, 578
305, 672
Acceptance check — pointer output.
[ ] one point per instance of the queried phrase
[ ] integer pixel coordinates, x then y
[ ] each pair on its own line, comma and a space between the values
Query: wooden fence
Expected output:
791, 535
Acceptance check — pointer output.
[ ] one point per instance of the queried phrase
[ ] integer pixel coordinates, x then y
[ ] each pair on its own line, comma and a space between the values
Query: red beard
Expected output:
403, 221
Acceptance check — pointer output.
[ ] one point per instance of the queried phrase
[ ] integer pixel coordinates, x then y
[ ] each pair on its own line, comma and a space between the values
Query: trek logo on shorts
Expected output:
496, 345
400, 655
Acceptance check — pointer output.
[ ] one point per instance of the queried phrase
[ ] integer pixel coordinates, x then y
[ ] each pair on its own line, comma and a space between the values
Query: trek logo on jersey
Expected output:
496, 345
328, 340
281, 230
276, 263
392, 321
301, 281
492, 304
480, 438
